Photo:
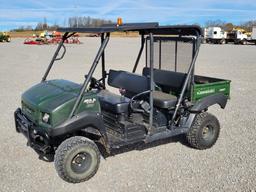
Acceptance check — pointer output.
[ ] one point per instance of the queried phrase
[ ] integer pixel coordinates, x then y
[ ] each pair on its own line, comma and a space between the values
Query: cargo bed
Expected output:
205, 86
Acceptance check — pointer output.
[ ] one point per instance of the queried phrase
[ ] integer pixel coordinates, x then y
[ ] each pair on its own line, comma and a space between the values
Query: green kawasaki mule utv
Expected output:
79, 122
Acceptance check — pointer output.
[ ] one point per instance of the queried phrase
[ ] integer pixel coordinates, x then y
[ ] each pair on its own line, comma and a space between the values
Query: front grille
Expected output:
28, 111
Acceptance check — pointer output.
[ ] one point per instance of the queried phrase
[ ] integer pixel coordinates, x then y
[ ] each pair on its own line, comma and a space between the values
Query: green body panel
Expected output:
202, 90
57, 98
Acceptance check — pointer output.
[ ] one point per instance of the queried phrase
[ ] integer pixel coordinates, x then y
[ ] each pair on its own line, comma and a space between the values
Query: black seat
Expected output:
113, 102
130, 82
169, 81
164, 100
120, 104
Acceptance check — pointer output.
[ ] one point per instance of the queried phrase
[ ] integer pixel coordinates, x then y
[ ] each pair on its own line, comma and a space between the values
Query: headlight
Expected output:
46, 117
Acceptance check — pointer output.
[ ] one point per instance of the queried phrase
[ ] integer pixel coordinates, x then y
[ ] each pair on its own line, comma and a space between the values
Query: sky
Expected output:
16, 13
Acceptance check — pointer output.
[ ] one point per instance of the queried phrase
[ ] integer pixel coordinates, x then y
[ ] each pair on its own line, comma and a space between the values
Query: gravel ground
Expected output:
228, 166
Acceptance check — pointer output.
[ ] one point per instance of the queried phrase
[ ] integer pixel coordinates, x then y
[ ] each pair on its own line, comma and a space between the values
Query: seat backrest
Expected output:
167, 80
132, 83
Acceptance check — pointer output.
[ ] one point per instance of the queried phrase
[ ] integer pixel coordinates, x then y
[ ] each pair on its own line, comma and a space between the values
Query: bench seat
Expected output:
164, 100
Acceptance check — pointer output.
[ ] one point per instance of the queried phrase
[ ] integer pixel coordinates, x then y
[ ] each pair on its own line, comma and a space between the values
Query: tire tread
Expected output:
192, 137
63, 149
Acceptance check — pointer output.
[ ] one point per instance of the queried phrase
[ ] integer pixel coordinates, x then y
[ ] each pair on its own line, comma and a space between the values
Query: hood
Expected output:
49, 95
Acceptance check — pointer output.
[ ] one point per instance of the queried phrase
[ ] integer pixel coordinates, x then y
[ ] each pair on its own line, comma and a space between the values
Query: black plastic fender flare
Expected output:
208, 101
78, 122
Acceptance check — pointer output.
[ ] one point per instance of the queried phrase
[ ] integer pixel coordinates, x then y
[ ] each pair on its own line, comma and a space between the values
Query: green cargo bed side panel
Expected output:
200, 91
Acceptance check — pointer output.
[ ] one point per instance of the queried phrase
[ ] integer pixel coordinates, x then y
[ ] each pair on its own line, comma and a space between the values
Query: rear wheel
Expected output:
204, 132
77, 159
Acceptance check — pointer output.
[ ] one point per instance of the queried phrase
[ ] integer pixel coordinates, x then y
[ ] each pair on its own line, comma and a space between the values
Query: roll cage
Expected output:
149, 33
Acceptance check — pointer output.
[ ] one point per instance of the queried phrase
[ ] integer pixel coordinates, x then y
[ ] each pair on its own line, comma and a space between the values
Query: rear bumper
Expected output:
37, 139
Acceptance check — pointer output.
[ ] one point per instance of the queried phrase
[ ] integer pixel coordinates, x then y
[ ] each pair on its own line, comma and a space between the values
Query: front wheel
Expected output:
204, 131
77, 159
244, 42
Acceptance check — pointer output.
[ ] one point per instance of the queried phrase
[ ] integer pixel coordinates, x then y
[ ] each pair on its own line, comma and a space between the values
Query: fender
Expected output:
189, 121
78, 122
208, 101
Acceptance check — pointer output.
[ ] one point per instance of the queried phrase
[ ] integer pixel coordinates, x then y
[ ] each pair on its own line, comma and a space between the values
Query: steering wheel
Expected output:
136, 104
96, 84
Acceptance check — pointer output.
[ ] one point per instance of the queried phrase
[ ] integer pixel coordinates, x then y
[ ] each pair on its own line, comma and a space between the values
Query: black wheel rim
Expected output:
81, 162
208, 132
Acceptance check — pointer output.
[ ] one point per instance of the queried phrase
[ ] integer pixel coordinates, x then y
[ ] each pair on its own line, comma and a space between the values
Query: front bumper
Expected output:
37, 139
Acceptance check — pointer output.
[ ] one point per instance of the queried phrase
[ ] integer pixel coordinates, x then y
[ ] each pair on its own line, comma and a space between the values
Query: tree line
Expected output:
87, 22
228, 26
70, 22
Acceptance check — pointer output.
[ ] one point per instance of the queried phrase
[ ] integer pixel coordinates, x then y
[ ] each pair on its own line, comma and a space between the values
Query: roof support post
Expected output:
103, 61
176, 55
65, 36
185, 85
152, 87
89, 76
140, 52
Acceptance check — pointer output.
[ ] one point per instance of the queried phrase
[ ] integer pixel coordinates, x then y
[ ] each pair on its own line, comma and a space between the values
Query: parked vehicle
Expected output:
254, 33
204, 35
252, 37
54, 37
80, 122
35, 41
237, 36
5, 37
215, 35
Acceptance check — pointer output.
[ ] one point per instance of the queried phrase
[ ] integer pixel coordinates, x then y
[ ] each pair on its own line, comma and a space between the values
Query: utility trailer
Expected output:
79, 122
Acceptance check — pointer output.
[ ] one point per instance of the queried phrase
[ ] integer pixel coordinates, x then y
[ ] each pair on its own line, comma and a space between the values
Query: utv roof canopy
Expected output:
142, 28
